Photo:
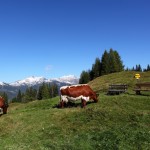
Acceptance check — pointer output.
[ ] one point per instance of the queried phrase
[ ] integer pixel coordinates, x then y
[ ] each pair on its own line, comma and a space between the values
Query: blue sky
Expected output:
53, 38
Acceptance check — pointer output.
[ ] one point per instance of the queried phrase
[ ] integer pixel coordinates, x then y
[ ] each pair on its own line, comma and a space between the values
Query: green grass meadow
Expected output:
118, 122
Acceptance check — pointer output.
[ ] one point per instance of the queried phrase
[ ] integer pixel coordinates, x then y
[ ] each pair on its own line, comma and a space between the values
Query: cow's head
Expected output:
95, 97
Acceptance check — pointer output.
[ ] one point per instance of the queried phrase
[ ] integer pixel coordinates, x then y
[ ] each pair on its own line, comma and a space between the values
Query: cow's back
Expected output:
74, 90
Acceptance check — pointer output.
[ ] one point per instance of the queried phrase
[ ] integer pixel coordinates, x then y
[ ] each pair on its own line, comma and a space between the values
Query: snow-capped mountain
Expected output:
70, 79
30, 81
12, 88
3, 83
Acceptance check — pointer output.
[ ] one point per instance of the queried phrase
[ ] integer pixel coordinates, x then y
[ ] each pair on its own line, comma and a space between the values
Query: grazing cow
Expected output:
76, 92
3, 106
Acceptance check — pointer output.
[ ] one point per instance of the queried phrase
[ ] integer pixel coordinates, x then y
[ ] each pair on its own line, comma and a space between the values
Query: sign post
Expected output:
137, 76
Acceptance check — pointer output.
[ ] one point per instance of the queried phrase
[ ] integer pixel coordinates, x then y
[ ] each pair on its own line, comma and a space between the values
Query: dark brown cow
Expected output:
3, 106
76, 92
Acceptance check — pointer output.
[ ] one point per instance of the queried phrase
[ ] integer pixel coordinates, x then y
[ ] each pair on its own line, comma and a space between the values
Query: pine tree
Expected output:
127, 69
91, 74
105, 63
133, 69
45, 91
19, 96
138, 68
148, 67
112, 62
84, 77
96, 68
30, 94
27, 95
53, 89
39, 95
119, 63
14, 100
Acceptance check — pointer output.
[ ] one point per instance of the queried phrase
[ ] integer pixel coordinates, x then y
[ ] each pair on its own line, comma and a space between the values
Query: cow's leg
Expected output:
62, 104
95, 100
5, 110
83, 103
1, 111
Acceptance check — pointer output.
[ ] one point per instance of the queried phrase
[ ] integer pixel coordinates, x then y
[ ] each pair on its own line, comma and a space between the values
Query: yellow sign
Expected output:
137, 76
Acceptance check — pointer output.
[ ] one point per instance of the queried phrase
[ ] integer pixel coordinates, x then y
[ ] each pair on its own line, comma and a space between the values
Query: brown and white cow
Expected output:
3, 106
76, 92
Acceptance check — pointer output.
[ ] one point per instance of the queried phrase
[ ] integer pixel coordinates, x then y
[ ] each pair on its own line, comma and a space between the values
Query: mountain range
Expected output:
12, 88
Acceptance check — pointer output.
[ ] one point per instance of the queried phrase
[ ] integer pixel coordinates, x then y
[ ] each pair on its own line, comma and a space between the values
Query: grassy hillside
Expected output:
125, 77
115, 122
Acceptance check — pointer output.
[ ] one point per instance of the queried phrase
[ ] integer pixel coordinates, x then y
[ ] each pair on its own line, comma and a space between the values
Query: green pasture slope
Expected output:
102, 83
120, 122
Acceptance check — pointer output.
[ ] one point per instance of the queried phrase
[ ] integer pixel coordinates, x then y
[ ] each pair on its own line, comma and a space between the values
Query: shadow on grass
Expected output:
72, 105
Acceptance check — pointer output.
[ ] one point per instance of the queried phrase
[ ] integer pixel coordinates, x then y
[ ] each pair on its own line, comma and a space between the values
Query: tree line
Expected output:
110, 62
45, 91
139, 68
